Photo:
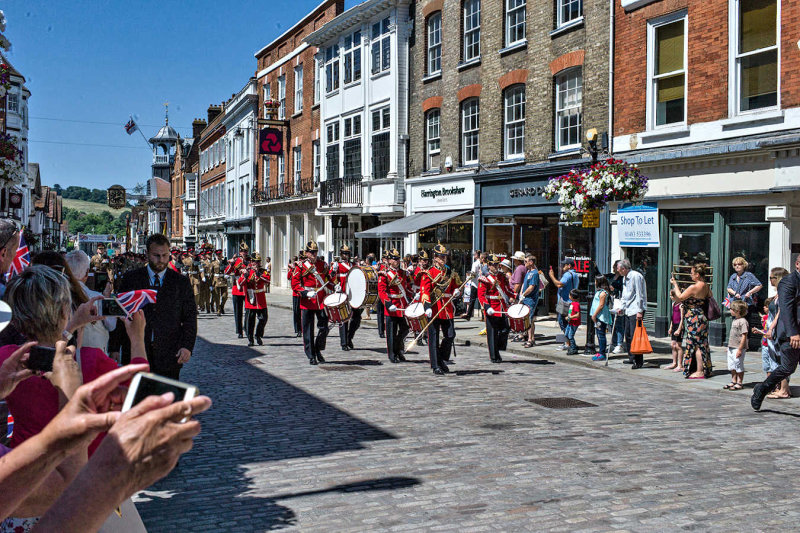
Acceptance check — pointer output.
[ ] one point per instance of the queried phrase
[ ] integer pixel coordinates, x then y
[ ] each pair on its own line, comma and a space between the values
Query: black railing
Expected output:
282, 191
340, 191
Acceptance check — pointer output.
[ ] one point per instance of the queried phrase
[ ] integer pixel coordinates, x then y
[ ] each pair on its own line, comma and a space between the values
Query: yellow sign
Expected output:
591, 218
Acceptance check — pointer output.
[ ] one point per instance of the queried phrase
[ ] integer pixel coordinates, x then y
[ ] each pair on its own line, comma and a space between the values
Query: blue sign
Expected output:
637, 225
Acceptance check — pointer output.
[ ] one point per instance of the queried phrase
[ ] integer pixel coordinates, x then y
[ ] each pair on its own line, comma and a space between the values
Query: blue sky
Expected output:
100, 61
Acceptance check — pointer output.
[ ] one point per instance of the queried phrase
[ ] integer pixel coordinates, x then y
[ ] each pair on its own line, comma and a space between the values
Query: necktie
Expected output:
156, 282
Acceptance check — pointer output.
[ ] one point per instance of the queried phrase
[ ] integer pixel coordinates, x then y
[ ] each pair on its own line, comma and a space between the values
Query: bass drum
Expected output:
416, 317
337, 308
519, 318
361, 287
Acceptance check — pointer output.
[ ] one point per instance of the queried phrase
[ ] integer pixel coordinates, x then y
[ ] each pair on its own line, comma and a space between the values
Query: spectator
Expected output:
618, 333
9, 243
569, 281
57, 262
675, 332
573, 321
529, 295
40, 302
600, 313
783, 391
471, 290
632, 305
95, 334
171, 327
737, 345
697, 359
743, 285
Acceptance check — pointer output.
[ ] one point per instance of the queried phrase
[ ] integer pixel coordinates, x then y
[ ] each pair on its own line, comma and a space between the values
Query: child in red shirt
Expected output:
573, 321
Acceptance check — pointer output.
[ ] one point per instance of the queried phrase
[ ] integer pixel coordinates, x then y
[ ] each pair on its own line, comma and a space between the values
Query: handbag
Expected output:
712, 309
640, 344
543, 281
562, 307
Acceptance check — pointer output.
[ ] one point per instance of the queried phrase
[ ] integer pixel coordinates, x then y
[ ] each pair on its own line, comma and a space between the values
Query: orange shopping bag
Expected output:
640, 344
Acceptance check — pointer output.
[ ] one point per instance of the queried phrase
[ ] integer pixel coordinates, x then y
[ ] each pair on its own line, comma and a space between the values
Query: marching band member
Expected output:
339, 271
393, 289
494, 295
296, 319
206, 280
310, 280
381, 266
234, 270
439, 285
219, 285
423, 265
255, 280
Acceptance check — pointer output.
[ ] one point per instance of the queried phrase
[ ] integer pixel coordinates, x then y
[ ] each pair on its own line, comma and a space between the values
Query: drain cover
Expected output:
340, 368
560, 403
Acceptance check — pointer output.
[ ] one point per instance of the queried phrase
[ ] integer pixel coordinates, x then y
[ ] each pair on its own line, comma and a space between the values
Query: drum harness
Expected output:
312, 269
500, 291
397, 282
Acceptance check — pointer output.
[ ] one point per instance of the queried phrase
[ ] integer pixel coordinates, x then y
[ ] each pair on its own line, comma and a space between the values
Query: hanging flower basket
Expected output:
5, 79
581, 190
10, 158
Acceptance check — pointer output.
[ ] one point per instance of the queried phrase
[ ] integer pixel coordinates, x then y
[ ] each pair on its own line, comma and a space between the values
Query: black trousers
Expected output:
496, 335
396, 331
471, 306
437, 351
296, 319
787, 366
630, 328
314, 344
348, 329
380, 317
250, 317
238, 308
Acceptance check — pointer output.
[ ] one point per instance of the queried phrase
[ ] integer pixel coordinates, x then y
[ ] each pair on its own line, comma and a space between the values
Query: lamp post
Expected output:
590, 348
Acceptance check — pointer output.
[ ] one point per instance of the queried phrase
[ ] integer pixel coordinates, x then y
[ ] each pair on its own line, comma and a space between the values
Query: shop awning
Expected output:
411, 224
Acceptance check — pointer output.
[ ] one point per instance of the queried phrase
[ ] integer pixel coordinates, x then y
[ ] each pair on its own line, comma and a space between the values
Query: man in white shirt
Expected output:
632, 304
472, 286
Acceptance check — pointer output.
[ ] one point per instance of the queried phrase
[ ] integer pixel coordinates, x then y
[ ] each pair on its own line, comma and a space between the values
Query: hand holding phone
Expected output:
145, 384
111, 307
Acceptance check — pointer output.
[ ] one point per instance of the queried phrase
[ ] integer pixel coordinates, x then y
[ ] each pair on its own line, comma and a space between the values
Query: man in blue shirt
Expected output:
569, 280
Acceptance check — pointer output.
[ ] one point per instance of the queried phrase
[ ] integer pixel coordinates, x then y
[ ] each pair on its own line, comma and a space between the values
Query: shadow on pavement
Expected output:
256, 418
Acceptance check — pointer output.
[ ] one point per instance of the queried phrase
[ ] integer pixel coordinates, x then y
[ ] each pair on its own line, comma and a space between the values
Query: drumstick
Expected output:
418, 337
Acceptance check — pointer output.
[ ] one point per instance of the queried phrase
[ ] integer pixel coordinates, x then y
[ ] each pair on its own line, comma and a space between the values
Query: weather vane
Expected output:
166, 113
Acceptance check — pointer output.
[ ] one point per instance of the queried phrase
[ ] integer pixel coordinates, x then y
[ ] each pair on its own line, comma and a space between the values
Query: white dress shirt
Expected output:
634, 293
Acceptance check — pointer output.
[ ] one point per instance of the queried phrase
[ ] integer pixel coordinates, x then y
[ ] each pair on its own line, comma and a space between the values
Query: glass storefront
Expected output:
456, 235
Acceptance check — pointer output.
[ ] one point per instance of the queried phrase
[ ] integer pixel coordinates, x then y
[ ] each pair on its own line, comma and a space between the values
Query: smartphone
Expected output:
145, 384
40, 359
100, 280
111, 307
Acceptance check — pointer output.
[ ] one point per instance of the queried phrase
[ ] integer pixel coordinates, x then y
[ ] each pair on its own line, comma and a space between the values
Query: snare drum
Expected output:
519, 318
337, 308
416, 318
361, 287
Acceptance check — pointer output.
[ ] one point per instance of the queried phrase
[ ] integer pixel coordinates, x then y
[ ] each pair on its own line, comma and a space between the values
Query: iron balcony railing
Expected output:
341, 191
282, 191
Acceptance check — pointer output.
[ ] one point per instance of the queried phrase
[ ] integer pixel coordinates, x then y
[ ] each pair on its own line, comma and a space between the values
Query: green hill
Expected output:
91, 208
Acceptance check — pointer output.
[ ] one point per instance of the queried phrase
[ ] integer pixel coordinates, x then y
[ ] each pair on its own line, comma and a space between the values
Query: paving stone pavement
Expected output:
360, 444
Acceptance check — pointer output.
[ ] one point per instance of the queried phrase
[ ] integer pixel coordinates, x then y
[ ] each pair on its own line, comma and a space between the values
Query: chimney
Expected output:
198, 125
213, 112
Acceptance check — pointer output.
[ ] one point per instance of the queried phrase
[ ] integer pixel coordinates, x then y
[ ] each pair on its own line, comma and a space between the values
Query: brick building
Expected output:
183, 183
284, 202
212, 170
502, 92
706, 102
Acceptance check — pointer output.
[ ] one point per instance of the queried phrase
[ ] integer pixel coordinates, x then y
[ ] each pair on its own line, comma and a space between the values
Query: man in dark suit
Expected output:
172, 322
787, 334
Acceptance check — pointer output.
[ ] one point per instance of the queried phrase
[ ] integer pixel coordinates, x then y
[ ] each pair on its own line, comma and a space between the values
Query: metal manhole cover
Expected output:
341, 368
560, 403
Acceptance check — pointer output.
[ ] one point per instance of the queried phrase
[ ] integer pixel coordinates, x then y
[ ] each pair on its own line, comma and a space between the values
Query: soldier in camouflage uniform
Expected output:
219, 294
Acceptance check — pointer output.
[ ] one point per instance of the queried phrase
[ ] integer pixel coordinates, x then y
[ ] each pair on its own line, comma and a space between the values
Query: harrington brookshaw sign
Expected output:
444, 191
443, 194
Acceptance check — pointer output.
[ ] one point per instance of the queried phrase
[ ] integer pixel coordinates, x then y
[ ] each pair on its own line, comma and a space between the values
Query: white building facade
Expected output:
362, 65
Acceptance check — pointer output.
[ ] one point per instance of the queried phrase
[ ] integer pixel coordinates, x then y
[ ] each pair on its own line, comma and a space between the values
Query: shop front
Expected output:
236, 233
511, 214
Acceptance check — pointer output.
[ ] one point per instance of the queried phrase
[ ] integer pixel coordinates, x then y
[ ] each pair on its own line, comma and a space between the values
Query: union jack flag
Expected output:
132, 301
21, 260
131, 127
9, 426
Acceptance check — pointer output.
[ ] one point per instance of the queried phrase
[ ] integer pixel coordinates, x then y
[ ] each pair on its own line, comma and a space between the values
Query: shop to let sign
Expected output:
637, 225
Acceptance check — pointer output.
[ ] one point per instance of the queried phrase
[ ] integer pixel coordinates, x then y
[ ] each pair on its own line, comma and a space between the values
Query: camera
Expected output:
40, 359
111, 307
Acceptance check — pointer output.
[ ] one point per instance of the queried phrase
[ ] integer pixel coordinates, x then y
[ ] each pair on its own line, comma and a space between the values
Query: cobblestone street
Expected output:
359, 444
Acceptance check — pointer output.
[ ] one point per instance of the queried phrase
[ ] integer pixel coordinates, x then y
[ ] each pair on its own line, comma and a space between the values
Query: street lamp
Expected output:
590, 348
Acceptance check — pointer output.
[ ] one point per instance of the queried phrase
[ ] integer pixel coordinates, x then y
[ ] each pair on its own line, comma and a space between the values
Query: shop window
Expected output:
748, 241
756, 54
667, 50
499, 239
645, 261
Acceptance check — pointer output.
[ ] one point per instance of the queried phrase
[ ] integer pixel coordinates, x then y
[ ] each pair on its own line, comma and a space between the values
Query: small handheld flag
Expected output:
21, 260
131, 127
132, 301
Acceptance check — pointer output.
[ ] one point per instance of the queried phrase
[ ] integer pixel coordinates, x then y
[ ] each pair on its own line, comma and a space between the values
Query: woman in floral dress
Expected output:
697, 358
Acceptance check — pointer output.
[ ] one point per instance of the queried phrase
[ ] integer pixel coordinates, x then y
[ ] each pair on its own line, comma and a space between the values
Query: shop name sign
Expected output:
526, 191
444, 191
637, 225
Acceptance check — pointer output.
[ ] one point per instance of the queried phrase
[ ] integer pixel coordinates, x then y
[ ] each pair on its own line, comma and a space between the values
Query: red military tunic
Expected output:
435, 278
339, 273
493, 290
233, 270
305, 278
256, 281
394, 288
